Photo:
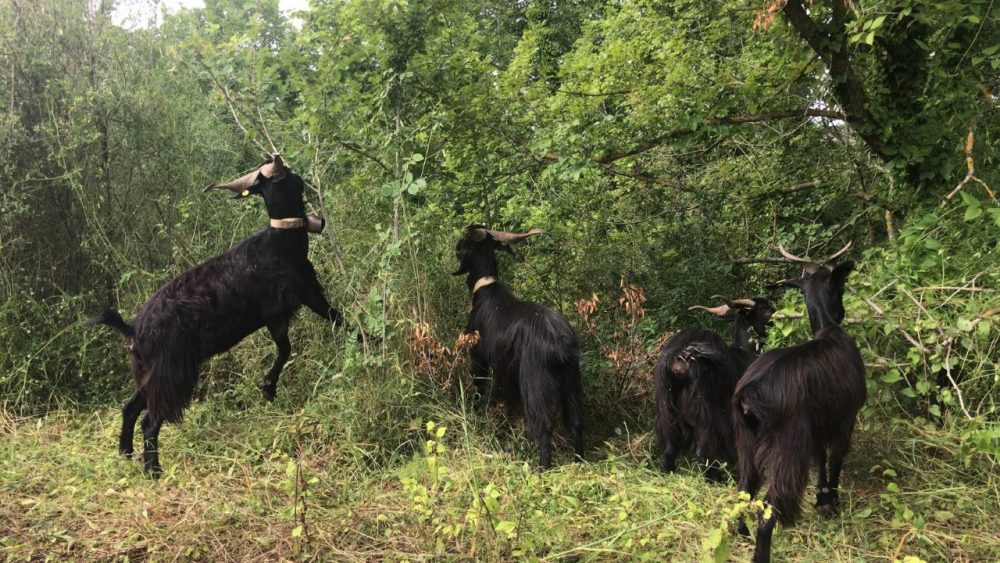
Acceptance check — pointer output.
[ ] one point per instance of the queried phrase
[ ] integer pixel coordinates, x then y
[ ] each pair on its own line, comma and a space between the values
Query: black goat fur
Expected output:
796, 406
531, 350
261, 282
694, 380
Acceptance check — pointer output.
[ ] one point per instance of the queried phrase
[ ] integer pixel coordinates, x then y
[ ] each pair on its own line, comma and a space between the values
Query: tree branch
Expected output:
728, 120
847, 88
650, 144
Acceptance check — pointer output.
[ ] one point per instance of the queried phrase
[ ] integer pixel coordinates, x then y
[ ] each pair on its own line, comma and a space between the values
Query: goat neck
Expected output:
742, 337
483, 266
820, 314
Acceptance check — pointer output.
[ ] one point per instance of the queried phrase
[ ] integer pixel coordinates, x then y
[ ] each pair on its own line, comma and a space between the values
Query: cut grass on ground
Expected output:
264, 485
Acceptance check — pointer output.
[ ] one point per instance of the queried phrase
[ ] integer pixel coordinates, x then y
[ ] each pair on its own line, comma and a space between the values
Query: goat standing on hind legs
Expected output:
796, 406
261, 282
532, 350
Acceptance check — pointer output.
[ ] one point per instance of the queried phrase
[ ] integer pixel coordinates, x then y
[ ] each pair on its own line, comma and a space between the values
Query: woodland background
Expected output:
666, 146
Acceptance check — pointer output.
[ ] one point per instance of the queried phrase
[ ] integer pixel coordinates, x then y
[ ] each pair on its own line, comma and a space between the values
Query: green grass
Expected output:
346, 476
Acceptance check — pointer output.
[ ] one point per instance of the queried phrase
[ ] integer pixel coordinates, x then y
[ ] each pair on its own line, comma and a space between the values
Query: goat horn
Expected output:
274, 168
791, 256
723, 297
238, 185
839, 252
506, 238
718, 311
746, 303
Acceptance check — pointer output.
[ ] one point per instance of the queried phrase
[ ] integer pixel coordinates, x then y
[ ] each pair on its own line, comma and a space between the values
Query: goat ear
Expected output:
841, 271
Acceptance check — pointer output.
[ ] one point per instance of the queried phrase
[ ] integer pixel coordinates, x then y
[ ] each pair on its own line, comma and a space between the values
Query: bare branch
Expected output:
970, 165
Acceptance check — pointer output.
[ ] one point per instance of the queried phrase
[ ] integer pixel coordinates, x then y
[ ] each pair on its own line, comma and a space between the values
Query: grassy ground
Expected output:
346, 477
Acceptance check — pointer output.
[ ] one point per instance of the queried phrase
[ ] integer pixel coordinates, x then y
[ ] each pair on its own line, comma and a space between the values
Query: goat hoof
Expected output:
269, 392
126, 453
153, 472
827, 503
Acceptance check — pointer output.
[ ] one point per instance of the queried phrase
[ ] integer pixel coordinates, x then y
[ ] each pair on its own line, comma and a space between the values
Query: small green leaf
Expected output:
891, 376
983, 328
973, 213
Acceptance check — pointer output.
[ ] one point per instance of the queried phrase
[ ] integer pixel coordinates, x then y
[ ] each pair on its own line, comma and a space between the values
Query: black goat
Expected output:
694, 381
208, 309
532, 350
796, 406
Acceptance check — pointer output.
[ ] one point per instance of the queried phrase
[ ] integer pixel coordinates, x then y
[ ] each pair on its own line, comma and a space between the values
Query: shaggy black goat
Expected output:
796, 406
532, 350
694, 381
208, 309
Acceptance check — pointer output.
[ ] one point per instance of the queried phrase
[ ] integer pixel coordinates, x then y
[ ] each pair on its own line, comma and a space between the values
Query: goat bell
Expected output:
315, 224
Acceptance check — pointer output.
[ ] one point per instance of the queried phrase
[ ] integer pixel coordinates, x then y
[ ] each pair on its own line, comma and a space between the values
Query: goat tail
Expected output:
111, 318
572, 404
168, 383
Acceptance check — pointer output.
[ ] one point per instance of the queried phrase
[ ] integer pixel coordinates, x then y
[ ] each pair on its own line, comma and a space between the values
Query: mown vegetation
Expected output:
666, 146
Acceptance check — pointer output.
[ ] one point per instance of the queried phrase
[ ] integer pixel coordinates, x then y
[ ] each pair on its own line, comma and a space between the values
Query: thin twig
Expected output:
970, 164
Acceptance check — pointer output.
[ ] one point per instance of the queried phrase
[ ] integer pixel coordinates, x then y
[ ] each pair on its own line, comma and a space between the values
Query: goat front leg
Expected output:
279, 332
313, 297
317, 303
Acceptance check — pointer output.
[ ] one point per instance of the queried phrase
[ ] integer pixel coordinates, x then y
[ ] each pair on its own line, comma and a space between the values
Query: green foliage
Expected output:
662, 143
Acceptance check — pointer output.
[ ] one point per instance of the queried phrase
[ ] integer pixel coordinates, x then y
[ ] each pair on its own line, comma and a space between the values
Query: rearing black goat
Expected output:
796, 406
694, 381
531, 349
208, 309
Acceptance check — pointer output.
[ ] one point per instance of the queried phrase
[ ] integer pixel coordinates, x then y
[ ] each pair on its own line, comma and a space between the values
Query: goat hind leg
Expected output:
831, 500
279, 332
545, 445
151, 445
824, 496
572, 407
130, 413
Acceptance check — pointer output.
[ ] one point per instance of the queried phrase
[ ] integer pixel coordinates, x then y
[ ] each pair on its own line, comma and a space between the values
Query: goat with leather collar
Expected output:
530, 349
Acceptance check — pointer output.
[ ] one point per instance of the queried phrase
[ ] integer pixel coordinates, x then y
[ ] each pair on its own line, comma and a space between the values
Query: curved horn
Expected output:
745, 303
238, 185
717, 311
507, 238
274, 168
791, 256
839, 252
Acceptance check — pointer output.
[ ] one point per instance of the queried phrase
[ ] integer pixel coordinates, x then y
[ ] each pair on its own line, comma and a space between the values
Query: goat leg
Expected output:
762, 549
829, 503
279, 332
150, 446
130, 413
545, 444
824, 500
